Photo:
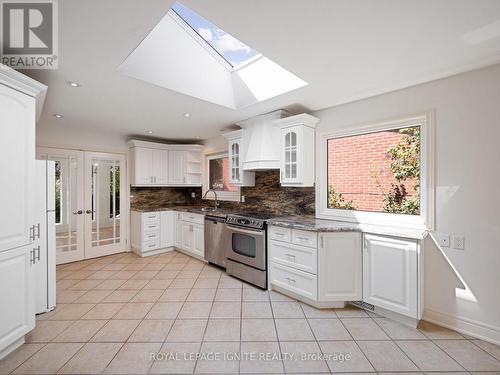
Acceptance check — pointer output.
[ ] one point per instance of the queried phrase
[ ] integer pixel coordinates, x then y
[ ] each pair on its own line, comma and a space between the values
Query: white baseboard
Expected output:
153, 252
463, 325
10, 348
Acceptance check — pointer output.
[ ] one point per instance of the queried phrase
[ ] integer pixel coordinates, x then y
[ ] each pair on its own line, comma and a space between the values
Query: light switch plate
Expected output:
242, 199
193, 195
443, 239
458, 242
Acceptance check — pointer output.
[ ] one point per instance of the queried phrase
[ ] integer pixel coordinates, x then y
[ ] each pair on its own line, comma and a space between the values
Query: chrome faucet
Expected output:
216, 202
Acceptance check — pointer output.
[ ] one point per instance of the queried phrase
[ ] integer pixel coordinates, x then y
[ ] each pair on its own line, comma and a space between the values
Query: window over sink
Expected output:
218, 179
378, 174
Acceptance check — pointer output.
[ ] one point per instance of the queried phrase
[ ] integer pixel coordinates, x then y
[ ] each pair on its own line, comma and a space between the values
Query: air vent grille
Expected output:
362, 305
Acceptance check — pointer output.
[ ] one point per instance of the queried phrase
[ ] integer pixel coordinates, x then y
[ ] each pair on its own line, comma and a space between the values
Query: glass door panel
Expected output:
69, 204
104, 204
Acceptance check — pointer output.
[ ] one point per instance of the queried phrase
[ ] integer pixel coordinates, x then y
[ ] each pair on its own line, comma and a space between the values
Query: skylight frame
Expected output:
209, 47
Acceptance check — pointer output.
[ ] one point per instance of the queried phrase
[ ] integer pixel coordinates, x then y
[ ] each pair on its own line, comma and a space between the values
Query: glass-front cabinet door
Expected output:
290, 159
234, 161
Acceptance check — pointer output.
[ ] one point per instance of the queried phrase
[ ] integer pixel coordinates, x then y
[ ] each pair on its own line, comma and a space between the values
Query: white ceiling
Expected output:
345, 49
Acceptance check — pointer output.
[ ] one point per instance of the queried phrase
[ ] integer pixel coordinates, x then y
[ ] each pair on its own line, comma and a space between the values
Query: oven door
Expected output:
247, 246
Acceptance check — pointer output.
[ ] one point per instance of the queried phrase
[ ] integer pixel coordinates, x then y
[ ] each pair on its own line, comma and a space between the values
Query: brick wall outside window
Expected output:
359, 168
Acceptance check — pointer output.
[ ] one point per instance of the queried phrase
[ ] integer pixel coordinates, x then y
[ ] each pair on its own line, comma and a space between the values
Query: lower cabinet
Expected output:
390, 278
323, 268
154, 232
16, 289
339, 267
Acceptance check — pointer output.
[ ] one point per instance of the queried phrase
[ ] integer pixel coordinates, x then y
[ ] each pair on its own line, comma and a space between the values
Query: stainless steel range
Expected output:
247, 251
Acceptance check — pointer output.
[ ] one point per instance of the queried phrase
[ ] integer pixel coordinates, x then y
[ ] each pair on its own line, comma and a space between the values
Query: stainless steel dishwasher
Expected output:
217, 239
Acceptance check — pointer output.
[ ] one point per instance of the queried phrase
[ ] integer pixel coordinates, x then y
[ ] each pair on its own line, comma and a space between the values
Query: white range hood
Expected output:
263, 141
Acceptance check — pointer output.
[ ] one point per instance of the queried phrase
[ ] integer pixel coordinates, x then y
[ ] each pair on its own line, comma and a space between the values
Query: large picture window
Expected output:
377, 172
380, 173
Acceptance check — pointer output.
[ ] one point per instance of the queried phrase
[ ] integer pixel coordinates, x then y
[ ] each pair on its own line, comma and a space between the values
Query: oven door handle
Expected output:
246, 231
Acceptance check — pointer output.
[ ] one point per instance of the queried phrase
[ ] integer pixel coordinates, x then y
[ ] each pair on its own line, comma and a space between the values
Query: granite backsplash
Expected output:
267, 195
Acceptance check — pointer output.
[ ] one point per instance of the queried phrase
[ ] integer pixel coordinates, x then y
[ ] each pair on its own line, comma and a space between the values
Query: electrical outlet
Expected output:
242, 199
458, 242
443, 239
193, 194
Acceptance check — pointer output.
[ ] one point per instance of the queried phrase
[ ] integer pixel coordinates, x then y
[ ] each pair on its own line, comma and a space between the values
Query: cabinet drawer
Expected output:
300, 257
150, 217
192, 218
150, 226
280, 234
150, 236
151, 245
305, 238
299, 282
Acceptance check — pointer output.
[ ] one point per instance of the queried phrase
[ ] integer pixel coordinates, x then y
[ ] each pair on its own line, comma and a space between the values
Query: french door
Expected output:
90, 204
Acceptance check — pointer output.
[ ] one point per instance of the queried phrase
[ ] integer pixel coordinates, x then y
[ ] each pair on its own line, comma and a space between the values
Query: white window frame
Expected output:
233, 196
423, 221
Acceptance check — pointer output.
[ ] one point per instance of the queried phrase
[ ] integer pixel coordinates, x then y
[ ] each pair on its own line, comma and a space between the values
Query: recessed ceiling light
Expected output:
197, 137
187, 114
150, 132
57, 115
73, 84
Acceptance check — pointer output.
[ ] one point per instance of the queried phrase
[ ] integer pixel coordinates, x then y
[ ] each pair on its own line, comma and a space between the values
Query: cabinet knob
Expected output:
88, 212
79, 212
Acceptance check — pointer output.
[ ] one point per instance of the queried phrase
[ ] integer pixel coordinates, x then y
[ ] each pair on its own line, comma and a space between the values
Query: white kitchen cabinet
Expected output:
151, 232
167, 228
390, 274
297, 150
177, 167
199, 240
17, 291
160, 167
178, 230
156, 164
17, 145
187, 237
236, 155
340, 267
21, 100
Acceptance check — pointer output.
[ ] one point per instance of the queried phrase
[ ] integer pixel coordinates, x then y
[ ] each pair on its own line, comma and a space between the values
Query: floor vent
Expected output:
362, 304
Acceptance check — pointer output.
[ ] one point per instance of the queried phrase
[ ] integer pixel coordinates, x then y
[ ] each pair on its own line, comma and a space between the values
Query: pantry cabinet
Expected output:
390, 279
156, 164
21, 99
236, 153
297, 147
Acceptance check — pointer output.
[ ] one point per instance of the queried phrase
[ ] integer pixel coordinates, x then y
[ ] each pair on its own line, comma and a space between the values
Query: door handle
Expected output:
37, 249
37, 231
89, 211
79, 212
32, 256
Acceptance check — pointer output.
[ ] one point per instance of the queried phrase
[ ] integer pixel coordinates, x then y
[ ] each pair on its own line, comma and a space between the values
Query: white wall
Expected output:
467, 122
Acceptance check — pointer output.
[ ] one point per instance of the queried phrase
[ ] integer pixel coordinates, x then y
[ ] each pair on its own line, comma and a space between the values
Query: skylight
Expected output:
235, 52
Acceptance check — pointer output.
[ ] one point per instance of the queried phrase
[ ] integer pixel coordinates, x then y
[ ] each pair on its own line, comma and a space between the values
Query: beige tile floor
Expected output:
114, 312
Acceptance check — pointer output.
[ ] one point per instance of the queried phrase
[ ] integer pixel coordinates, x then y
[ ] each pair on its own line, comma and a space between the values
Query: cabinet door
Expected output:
234, 162
17, 144
340, 267
199, 240
16, 292
177, 167
143, 166
390, 274
290, 154
178, 231
187, 237
160, 167
167, 229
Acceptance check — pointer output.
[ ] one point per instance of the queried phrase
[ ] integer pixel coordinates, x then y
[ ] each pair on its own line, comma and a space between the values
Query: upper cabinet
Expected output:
236, 153
156, 164
297, 147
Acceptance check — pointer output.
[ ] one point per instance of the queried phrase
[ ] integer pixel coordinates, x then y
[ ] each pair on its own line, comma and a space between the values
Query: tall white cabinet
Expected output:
19, 97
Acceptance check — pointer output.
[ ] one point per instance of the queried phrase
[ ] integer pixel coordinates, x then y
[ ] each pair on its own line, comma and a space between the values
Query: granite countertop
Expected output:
192, 209
321, 225
302, 222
